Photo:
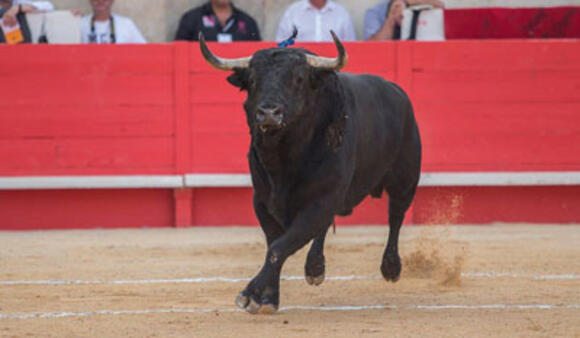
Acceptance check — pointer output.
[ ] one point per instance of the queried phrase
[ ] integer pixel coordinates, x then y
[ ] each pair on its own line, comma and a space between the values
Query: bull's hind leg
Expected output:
314, 267
391, 263
400, 198
401, 185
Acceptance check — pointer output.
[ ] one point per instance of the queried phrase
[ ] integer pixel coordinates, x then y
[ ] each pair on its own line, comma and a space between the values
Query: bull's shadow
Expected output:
322, 140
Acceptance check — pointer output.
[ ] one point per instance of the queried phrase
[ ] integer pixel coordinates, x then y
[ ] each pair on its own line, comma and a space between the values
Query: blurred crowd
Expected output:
218, 20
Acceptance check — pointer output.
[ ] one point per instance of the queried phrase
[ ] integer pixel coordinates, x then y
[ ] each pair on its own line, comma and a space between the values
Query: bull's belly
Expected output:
360, 188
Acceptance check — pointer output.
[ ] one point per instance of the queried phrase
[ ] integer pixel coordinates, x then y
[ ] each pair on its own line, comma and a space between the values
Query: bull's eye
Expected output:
298, 80
252, 83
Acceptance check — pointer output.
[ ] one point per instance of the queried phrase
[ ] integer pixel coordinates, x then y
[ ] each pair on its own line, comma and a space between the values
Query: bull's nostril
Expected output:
271, 114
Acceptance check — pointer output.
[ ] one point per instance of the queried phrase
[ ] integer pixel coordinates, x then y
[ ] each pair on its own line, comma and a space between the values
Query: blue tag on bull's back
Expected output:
290, 40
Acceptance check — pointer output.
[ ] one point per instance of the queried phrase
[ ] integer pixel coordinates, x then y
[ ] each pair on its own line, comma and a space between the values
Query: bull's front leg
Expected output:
314, 269
272, 229
262, 294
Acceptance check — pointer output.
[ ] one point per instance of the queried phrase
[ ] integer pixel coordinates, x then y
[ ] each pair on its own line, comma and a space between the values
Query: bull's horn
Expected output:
329, 63
220, 63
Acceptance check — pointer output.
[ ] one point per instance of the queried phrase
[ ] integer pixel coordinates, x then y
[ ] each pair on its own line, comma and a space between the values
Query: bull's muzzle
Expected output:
269, 116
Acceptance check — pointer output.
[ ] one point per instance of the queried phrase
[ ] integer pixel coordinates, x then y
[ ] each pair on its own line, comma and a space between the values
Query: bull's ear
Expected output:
239, 78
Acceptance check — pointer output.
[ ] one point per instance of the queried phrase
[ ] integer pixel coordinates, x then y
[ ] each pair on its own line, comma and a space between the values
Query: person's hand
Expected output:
9, 17
395, 15
434, 3
438, 4
76, 12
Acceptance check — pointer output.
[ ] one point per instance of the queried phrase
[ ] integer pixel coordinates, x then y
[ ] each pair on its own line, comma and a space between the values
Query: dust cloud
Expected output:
434, 256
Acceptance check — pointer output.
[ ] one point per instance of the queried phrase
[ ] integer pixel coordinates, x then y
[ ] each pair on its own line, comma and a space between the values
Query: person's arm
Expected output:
434, 3
186, 29
394, 17
386, 31
41, 6
373, 21
9, 17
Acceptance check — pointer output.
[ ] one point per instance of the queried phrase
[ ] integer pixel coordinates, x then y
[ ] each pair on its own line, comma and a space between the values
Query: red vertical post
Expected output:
183, 207
404, 78
182, 116
404, 66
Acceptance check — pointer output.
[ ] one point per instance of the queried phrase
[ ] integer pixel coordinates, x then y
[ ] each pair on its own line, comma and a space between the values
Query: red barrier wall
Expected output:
160, 109
512, 23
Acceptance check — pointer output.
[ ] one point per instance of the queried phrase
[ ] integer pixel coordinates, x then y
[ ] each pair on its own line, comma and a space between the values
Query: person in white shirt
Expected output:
105, 27
314, 19
9, 9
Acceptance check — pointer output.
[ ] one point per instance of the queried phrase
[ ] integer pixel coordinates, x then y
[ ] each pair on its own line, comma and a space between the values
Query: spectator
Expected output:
105, 27
218, 20
314, 20
12, 16
383, 21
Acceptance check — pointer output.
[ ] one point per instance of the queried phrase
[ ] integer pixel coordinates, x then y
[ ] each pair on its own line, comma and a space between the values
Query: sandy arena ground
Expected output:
467, 281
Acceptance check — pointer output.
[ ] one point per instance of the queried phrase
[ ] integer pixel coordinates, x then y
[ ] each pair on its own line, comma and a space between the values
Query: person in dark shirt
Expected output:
218, 20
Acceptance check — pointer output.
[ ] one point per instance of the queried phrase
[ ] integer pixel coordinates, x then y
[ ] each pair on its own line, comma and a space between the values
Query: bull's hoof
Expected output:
391, 267
253, 307
314, 270
268, 309
315, 280
242, 301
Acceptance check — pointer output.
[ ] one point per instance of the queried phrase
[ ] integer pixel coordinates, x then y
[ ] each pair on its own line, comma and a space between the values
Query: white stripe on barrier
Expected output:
217, 180
543, 178
38, 315
91, 182
286, 278
540, 178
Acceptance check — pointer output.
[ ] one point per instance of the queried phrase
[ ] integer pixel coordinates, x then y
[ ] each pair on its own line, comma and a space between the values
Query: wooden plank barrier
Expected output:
134, 136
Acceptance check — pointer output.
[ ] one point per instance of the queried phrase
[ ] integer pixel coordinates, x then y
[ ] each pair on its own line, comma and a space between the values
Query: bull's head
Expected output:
282, 83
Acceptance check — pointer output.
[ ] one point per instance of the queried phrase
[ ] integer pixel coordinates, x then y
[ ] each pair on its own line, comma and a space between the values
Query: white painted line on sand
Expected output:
519, 275
33, 315
287, 278
170, 281
435, 307
43, 315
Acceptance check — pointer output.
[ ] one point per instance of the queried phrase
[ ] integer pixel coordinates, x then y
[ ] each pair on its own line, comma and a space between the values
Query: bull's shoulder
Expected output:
365, 85
364, 80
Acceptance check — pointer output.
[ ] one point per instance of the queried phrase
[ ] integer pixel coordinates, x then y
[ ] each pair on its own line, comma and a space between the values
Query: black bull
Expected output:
321, 142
